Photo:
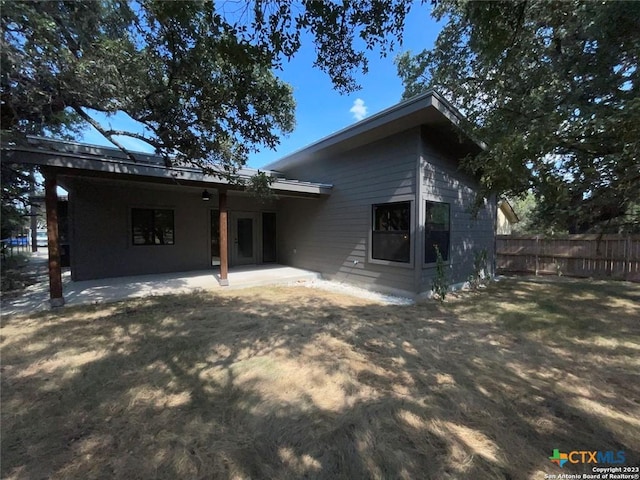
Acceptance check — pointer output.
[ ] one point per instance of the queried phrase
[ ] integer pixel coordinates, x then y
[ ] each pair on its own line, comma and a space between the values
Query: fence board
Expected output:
605, 256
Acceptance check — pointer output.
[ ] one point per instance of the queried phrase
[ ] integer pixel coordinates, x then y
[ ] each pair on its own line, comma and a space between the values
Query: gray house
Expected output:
367, 205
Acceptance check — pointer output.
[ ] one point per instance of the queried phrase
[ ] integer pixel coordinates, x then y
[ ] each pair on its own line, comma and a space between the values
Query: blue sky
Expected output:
320, 110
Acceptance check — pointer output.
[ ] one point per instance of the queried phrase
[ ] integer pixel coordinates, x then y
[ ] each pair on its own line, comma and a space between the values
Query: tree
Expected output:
526, 207
203, 95
198, 75
16, 185
552, 88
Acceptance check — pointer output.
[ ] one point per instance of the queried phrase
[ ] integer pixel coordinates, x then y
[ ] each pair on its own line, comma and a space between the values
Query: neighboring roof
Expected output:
429, 108
508, 210
97, 160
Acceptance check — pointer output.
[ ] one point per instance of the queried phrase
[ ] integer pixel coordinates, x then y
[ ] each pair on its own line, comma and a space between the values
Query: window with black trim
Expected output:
151, 226
436, 231
391, 232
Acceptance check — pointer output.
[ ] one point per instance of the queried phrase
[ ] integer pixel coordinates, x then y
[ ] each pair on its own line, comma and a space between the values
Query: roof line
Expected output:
111, 154
122, 165
430, 97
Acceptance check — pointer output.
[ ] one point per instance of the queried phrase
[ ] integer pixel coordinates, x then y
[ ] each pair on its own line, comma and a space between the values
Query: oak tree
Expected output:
198, 76
552, 89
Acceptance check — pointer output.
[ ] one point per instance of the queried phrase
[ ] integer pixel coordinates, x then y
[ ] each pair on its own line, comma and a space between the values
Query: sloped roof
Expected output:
429, 108
508, 210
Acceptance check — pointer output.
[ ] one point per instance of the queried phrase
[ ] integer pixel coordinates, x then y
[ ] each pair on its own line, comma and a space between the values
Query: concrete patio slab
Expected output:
36, 297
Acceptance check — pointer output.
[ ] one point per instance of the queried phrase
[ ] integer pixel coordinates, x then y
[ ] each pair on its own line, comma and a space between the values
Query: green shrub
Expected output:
440, 285
479, 274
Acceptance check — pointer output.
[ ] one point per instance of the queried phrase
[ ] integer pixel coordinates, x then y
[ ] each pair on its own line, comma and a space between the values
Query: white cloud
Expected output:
359, 109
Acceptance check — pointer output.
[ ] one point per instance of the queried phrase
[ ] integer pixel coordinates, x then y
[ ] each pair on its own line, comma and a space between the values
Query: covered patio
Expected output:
88, 292
133, 215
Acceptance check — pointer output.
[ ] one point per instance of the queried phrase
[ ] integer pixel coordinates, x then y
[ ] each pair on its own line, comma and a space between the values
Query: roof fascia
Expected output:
508, 211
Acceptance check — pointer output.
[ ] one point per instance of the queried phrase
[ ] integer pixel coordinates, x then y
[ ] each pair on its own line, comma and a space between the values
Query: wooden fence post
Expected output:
627, 258
537, 254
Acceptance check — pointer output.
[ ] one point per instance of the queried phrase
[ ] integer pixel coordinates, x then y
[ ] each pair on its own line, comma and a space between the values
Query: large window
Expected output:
390, 238
436, 231
151, 226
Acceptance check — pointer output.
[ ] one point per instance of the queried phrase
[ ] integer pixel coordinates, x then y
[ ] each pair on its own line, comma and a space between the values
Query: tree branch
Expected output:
105, 133
158, 145
138, 136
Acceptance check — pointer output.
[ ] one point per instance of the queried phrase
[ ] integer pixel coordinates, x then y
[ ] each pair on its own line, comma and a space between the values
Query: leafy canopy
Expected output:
16, 185
198, 75
552, 88
177, 68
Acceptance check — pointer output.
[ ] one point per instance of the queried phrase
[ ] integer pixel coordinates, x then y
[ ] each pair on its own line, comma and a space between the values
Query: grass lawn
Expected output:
302, 383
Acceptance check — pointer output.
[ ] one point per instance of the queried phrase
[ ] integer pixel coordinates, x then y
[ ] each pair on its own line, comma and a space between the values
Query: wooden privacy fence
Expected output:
605, 256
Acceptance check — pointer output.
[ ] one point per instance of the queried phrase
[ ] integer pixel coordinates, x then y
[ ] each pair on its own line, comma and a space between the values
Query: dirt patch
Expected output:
300, 383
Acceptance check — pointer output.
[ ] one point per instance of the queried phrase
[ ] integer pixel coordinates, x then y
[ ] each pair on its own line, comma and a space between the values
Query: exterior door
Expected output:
244, 236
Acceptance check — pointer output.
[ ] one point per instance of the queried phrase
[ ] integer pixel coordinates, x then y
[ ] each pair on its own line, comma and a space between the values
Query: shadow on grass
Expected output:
558, 306
296, 383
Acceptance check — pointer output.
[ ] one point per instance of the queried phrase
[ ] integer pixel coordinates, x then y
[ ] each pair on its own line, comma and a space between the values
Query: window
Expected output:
390, 236
436, 231
152, 226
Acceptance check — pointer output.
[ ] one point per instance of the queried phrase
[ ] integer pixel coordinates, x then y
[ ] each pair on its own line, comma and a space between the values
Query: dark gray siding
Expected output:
101, 244
443, 181
332, 235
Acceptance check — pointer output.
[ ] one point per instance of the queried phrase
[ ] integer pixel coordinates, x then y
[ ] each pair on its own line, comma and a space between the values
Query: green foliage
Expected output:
260, 186
525, 207
440, 285
14, 202
197, 75
479, 274
204, 96
552, 88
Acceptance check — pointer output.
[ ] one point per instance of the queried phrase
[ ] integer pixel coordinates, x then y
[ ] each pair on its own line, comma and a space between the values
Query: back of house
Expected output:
399, 196
369, 205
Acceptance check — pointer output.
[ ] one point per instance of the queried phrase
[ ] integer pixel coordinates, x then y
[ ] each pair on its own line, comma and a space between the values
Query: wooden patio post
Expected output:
32, 213
55, 272
224, 241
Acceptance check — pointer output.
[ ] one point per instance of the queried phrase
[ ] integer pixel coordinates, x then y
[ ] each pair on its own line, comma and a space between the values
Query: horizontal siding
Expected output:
101, 227
443, 181
328, 235
101, 230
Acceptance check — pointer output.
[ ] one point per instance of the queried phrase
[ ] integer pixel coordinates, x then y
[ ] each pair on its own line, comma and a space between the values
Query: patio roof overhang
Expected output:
71, 158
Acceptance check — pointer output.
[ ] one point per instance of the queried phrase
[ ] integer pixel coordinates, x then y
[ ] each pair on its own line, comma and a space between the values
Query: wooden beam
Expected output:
55, 271
32, 212
224, 240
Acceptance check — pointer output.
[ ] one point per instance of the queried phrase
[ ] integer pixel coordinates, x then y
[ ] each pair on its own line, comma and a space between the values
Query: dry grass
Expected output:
293, 383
